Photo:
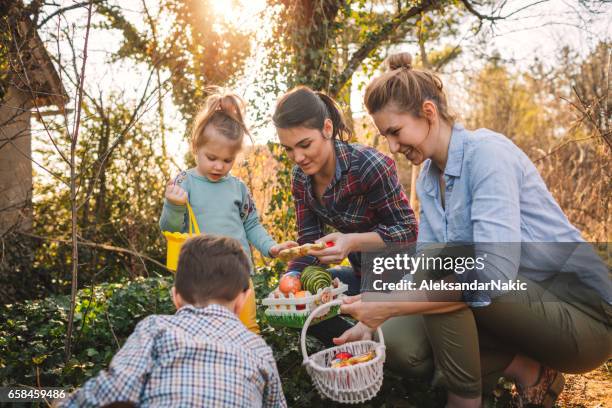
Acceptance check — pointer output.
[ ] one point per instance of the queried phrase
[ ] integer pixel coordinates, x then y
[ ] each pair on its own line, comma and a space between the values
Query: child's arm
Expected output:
126, 376
173, 213
255, 232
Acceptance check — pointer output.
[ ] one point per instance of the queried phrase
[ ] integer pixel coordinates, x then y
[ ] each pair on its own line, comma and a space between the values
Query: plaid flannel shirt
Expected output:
199, 357
364, 195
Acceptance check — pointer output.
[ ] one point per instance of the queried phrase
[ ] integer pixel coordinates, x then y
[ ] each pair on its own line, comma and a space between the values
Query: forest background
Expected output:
84, 261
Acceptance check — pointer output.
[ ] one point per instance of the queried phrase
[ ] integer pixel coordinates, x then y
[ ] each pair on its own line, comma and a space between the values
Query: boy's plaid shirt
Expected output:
198, 357
364, 195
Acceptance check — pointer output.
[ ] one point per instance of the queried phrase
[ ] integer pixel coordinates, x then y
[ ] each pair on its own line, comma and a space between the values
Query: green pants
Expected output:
552, 322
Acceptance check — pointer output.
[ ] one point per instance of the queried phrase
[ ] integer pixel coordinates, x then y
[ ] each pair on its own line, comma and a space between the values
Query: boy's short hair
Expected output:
211, 268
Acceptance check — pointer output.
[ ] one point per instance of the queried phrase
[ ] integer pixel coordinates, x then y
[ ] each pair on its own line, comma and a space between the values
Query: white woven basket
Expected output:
351, 384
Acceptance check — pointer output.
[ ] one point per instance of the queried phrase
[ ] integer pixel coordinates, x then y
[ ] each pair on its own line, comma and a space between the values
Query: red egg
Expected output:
343, 356
300, 294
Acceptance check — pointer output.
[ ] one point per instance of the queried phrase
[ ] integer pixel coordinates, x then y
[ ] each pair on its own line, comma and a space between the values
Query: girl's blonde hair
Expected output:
225, 112
406, 88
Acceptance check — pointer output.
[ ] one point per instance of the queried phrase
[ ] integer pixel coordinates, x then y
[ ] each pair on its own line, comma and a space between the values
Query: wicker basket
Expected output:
351, 384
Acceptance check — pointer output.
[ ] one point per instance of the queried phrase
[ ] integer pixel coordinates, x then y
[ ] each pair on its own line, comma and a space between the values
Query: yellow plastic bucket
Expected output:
176, 240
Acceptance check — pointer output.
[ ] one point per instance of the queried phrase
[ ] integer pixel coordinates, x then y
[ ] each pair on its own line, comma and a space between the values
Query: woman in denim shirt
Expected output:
477, 187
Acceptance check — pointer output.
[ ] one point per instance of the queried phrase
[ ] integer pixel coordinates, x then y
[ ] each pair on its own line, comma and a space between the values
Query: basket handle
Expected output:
315, 313
193, 223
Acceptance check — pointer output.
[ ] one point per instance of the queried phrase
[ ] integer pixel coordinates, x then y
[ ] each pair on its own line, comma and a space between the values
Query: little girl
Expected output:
222, 203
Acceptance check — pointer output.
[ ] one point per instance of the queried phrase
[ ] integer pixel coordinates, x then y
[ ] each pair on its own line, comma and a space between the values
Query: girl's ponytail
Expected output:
225, 112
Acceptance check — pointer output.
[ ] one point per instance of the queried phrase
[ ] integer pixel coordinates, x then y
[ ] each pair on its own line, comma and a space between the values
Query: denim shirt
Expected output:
494, 194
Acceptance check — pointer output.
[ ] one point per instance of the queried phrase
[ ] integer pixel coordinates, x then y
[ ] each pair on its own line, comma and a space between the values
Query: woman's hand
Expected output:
279, 247
372, 314
341, 245
358, 332
175, 194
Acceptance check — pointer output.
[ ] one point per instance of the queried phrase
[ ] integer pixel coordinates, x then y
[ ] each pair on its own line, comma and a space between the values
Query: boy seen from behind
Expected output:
202, 356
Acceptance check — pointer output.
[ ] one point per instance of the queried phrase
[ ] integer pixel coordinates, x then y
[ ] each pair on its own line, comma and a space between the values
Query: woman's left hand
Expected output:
342, 246
372, 314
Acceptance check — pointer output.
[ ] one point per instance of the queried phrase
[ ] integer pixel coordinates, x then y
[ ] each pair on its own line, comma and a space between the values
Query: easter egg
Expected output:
289, 284
300, 294
314, 278
293, 273
343, 355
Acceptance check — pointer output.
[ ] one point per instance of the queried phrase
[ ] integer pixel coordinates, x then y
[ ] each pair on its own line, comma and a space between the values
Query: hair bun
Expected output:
399, 60
231, 105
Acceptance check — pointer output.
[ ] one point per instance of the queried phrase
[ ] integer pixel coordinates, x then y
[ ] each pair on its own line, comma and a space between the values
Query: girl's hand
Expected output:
338, 247
372, 314
279, 247
358, 332
175, 194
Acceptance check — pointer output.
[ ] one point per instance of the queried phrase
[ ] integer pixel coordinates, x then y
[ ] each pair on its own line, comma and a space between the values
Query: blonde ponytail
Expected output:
225, 112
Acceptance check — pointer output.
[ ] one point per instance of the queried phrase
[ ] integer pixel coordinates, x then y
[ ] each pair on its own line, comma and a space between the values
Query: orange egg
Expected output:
289, 284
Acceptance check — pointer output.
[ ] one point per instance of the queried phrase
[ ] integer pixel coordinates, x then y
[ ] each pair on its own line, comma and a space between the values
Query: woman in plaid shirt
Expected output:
353, 188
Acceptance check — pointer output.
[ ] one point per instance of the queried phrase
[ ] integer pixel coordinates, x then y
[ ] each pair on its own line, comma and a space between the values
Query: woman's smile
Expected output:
410, 153
406, 151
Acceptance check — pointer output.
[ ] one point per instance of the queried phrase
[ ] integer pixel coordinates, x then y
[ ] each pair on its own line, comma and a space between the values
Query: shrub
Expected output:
32, 336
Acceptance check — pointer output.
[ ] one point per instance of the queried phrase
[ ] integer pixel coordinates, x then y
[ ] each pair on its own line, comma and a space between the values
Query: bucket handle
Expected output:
193, 223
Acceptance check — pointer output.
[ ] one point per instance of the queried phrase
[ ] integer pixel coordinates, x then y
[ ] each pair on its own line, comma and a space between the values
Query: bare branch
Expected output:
73, 144
470, 7
33, 95
386, 30
10, 141
111, 328
91, 244
65, 9
587, 113
561, 146
136, 115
